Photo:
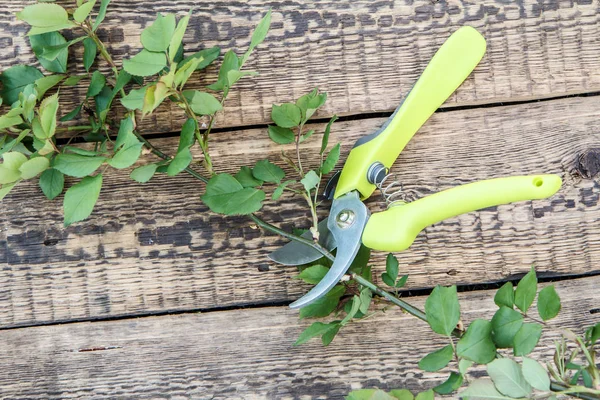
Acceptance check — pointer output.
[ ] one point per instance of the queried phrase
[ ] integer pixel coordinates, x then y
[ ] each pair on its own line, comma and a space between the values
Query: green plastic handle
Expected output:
448, 68
396, 228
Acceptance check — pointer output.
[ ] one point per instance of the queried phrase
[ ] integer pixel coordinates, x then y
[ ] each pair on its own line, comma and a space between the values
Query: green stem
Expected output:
580, 392
74, 128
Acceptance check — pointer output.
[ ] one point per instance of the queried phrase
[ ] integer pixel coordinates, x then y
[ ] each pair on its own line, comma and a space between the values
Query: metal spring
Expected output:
392, 192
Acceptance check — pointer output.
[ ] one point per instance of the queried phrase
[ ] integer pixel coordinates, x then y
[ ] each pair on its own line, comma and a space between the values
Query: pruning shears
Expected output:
367, 166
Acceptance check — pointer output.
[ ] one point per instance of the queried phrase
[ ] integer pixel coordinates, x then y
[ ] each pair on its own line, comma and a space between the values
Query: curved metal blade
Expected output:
295, 253
347, 221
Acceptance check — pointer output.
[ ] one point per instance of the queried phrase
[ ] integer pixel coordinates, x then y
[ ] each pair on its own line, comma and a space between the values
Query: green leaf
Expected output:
331, 160
187, 136
427, 395
207, 56
125, 134
134, 99
325, 139
78, 150
76, 165
548, 303
184, 73
464, 365
101, 14
328, 336
453, 382
52, 52
144, 173
535, 374
46, 83
306, 135
325, 305
230, 63
38, 30
316, 329
13, 160
145, 63
90, 50
401, 394
245, 177
353, 310
442, 310
508, 378
74, 80
102, 101
359, 264
281, 135
44, 15
52, 183
234, 76
286, 115
313, 274
592, 334
96, 85
225, 195
127, 155
15, 79
81, 198
268, 172
258, 35
279, 190
391, 266
202, 103
177, 37
5, 190
157, 36
309, 103
476, 344
505, 296
482, 389
310, 180
7, 121
46, 40
8, 175
33, 167
83, 11
437, 360
526, 339
526, 290
180, 162
47, 115
505, 325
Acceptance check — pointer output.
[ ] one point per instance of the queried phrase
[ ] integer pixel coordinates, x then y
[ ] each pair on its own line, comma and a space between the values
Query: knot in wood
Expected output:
588, 163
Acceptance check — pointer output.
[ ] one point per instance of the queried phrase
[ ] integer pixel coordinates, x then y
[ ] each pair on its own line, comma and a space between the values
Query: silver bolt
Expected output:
345, 218
376, 172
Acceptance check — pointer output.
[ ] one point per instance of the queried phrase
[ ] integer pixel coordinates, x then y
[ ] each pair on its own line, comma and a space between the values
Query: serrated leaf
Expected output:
225, 195
325, 139
125, 134
52, 183
259, 34
427, 395
331, 160
143, 174
230, 63
101, 14
44, 15
46, 83
401, 394
97, 83
453, 382
246, 179
266, 171
90, 50
134, 99
391, 266
202, 103
13, 160
535, 374
314, 330
279, 190
508, 378
325, 305
313, 274
184, 73
5, 190
286, 115
483, 389
505, 325
180, 162
187, 136
38, 30
77, 165
15, 79
464, 365
127, 155
33, 167
8, 175
81, 198
52, 52
476, 344
47, 117
437, 360
177, 36
74, 80
157, 36
145, 63
442, 310
366, 296
505, 296
309, 103
207, 56
234, 76
8, 121
526, 339
328, 336
46, 40
353, 310
310, 180
548, 303
526, 290
83, 11
281, 135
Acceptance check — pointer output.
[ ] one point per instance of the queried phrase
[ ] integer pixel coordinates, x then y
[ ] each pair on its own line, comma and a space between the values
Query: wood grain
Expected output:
155, 248
246, 354
365, 54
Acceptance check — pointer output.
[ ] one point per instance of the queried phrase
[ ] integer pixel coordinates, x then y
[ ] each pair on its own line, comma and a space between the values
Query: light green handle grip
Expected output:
448, 68
397, 228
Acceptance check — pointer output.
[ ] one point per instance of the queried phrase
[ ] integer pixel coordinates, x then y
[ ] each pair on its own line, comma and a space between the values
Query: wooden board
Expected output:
366, 54
245, 354
155, 248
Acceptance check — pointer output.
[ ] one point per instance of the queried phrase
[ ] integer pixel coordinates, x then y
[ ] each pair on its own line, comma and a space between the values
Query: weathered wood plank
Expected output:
152, 248
245, 354
366, 54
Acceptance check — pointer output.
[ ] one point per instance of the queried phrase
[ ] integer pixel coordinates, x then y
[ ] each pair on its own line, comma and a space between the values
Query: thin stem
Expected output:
580, 392
535, 319
74, 128
300, 170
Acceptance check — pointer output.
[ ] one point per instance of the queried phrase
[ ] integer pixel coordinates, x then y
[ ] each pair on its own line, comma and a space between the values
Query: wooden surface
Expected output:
243, 354
154, 249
